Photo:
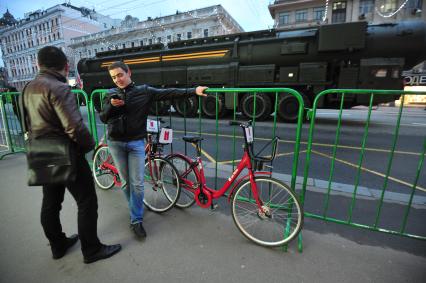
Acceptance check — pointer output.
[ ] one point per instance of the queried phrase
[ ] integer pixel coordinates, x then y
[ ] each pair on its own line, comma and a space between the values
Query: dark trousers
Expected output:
83, 191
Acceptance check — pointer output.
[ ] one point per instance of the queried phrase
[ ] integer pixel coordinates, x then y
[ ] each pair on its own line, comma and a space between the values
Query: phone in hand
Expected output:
115, 96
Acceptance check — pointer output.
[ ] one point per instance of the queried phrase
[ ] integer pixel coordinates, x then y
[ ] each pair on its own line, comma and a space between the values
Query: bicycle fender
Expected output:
237, 183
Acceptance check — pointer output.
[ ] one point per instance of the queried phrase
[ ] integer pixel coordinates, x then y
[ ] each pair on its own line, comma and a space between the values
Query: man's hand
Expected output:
200, 90
117, 102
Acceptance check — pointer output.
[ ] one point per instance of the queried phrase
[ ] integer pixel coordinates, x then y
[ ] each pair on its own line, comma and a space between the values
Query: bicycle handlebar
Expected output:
256, 157
241, 124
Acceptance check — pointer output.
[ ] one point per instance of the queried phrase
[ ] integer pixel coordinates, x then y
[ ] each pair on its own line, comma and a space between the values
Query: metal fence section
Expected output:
410, 190
11, 135
220, 163
95, 106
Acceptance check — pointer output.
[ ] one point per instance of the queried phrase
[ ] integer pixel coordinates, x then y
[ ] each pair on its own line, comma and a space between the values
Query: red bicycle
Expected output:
161, 185
264, 209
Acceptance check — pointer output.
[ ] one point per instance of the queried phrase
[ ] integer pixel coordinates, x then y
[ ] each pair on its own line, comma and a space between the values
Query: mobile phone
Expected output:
115, 96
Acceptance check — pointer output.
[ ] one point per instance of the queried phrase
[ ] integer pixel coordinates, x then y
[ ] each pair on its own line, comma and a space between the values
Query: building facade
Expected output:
209, 21
289, 14
20, 40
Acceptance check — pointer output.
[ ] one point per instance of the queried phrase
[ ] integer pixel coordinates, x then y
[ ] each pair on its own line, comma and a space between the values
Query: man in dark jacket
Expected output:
125, 111
52, 111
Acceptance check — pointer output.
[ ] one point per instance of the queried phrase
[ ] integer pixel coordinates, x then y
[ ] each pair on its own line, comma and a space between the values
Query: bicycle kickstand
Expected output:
213, 206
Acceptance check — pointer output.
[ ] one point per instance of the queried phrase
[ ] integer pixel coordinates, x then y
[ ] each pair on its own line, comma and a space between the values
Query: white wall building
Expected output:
55, 26
305, 13
209, 21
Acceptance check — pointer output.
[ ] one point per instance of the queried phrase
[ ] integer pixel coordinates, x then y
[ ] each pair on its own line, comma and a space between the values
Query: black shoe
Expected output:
57, 253
138, 230
103, 253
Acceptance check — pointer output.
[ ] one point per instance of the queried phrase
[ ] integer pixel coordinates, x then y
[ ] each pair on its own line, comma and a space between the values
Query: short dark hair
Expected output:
52, 57
118, 64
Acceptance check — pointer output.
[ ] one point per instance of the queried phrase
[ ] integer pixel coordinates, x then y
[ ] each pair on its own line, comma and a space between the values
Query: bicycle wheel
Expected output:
161, 185
103, 176
282, 216
186, 198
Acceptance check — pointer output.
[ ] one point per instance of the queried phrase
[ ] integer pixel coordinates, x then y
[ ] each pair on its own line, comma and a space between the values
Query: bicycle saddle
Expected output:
192, 139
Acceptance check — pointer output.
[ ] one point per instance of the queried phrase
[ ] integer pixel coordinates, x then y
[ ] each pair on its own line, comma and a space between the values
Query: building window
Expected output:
319, 13
159, 39
283, 19
387, 6
133, 44
141, 43
366, 6
189, 35
124, 45
301, 16
339, 12
169, 38
206, 32
150, 41
96, 51
90, 52
179, 37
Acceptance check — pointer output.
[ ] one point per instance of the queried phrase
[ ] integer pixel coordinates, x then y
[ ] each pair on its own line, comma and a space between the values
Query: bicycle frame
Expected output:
210, 193
107, 164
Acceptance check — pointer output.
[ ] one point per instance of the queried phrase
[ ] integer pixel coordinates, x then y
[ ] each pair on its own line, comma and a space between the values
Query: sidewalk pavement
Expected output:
192, 245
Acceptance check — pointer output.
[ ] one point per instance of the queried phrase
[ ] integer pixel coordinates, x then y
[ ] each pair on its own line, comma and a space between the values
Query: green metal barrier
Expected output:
236, 132
12, 136
96, 98
11, 119
324, 214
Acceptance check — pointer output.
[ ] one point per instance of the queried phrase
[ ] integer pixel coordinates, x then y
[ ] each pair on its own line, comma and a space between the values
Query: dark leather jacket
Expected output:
52, 109
128, 122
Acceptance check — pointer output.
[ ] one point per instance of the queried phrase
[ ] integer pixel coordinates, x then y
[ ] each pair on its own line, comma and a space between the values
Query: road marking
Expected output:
418, 124
333, 113
208, 156
314, 143
370, 171
277, 155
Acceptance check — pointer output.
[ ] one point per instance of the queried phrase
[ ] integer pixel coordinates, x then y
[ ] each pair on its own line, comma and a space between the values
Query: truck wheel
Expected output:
263, 106
186, 107
288, 107
208, 106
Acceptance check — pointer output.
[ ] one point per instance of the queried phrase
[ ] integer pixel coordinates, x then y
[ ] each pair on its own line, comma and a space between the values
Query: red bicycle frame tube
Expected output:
244, 163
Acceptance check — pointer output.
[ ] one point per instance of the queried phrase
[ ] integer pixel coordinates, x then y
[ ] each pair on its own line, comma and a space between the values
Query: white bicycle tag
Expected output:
249, 134
166, 135
152, 126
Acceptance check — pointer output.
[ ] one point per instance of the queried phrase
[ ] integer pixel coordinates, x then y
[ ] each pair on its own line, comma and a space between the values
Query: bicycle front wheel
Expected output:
161, 185
280, 219
103, 176
187, 176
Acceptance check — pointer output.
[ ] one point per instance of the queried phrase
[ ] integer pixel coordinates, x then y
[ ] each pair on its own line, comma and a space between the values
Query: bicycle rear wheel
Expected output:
183, 166
103, 176
161, 185
281, 218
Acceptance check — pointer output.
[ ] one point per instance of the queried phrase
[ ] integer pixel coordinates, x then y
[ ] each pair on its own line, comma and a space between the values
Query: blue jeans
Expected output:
129, 158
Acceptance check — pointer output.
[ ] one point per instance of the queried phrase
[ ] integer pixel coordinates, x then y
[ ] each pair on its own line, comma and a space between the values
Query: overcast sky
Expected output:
250, 14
